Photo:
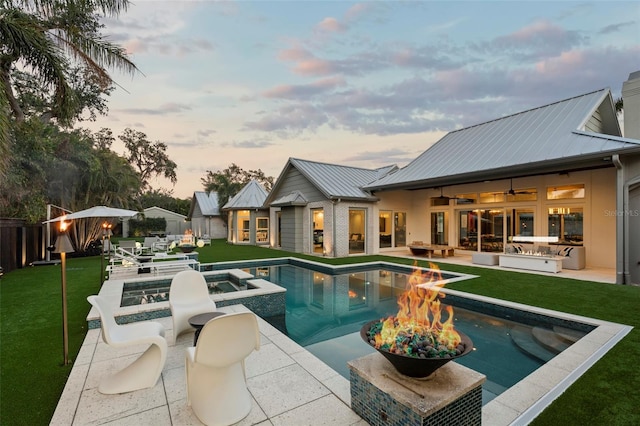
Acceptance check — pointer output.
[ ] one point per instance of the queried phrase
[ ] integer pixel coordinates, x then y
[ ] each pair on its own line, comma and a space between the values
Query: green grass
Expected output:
32, 376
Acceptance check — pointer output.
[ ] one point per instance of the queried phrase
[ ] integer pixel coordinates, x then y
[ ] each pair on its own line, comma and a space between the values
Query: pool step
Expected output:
542, 343
524, 340
549, 339
567, 334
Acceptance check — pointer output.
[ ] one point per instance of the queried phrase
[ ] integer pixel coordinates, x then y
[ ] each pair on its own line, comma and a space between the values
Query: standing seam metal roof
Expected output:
251, 196
546, 133
208, 203
336, 181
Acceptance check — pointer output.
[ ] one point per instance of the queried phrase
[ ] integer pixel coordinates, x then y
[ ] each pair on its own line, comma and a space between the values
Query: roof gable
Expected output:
207, 203
332, 180
251, 196
160, 210
552, 133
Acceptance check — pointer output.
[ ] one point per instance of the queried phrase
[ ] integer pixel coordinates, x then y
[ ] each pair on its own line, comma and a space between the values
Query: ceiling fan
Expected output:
511, 191
446, 198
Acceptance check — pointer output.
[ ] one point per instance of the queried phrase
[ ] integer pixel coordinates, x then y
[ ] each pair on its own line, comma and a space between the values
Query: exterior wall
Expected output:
341, 211
400, 201
295, 181
599, 226
599, 223
292, 229
214, 226
629, 219
176, 224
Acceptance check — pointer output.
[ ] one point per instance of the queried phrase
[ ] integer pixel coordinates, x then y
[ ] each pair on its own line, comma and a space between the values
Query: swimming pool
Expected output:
326, 309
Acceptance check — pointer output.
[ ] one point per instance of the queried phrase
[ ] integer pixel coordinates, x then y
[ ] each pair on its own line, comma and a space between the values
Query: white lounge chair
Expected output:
145, 370
188, 296
216, 381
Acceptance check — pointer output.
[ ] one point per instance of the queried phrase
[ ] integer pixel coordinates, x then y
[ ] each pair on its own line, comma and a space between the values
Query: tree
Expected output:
148, 158
44, 37
230, 181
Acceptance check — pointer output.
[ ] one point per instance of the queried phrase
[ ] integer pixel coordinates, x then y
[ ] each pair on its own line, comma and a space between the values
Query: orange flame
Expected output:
420, 313
63, 224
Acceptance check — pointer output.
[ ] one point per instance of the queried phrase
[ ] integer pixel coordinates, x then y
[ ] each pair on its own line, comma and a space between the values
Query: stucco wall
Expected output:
599, 202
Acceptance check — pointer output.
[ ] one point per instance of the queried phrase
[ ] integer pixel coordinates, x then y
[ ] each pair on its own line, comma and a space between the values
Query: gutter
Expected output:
622, 223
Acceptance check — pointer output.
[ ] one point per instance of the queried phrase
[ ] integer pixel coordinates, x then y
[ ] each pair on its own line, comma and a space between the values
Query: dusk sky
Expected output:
360, 84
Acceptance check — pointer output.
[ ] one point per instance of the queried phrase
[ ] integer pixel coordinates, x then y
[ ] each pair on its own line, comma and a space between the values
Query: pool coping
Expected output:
519, 404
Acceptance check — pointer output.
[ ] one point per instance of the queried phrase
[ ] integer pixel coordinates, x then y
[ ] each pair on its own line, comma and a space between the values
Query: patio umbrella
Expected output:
96, 212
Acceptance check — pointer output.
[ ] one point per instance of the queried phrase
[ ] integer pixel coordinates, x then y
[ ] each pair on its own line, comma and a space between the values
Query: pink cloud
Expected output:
356, 11
331, 25
295, 53
561, 64
314, 66
542, 28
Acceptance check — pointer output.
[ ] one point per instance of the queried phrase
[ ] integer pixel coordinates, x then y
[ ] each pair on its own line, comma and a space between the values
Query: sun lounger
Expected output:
125, 265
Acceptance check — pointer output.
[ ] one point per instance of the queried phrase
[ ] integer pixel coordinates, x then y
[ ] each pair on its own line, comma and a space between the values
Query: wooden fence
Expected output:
21, 244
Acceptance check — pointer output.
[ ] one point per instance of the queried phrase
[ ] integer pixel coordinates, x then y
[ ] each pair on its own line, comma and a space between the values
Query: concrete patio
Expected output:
289, 385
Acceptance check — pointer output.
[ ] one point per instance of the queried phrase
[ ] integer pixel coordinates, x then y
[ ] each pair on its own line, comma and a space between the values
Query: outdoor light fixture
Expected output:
63, 246
106, 232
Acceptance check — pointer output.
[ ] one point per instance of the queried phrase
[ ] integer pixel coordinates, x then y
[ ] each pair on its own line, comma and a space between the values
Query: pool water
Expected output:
140, 293
324, 313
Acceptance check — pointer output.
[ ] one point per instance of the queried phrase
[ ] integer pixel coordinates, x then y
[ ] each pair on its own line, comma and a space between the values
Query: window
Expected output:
262, 229
242, 219
467, 229
566, 224
357, 221
318, 230
466, 198
385, 229
492, 197
523, 225
565, 192
439, 227
491, 225
400, 229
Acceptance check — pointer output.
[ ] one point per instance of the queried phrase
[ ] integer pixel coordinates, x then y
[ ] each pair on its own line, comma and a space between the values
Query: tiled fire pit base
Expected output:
382, 396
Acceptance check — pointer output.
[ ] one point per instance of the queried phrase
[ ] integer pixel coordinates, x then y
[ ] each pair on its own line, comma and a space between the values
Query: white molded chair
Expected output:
188, 296
216, 382
144, 371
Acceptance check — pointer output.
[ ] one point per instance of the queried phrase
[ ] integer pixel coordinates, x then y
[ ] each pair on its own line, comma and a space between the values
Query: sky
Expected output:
362, 84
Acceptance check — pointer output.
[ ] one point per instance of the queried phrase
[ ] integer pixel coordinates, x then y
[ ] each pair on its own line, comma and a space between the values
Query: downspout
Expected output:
622, 263
333, 227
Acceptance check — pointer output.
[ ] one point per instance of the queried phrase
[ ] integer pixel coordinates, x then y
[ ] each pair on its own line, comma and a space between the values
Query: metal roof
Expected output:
295, 198
251, 196
208, 203
550, 135
336, 181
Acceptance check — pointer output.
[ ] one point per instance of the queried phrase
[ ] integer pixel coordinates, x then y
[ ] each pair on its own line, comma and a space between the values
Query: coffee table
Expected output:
198, 321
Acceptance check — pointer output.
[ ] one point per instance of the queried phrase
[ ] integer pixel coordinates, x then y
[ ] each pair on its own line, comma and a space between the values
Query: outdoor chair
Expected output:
130, 247
188, 296
145, 370
216, 381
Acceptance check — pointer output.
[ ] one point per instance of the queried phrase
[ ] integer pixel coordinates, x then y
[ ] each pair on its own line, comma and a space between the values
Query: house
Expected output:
321, 208
562, 174
205, 216
176, 223
248, 220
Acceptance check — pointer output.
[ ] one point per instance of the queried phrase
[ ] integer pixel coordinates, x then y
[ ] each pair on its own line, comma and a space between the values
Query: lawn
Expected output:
32, 376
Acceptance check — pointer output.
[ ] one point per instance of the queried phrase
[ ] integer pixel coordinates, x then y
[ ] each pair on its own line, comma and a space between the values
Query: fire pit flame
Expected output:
418, 331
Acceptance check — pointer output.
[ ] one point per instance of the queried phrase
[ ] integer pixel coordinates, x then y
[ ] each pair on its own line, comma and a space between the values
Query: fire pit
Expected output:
424, 357
418, 341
